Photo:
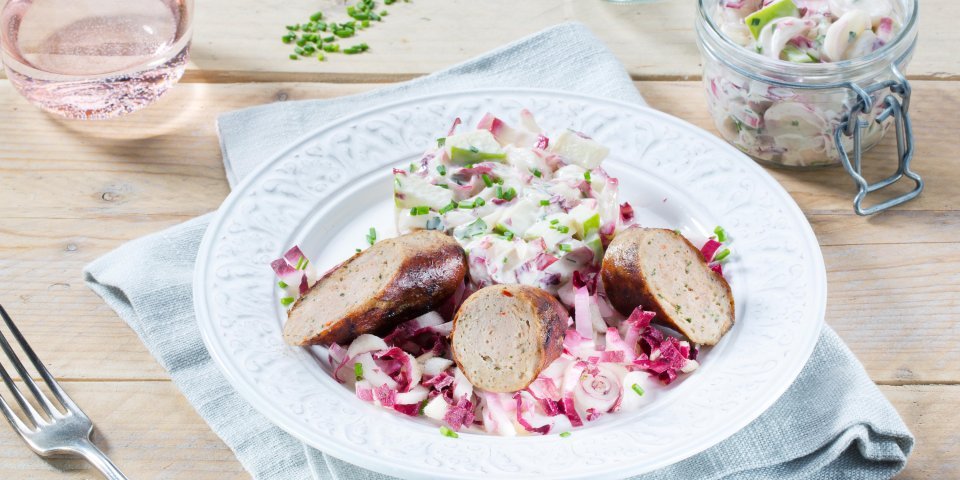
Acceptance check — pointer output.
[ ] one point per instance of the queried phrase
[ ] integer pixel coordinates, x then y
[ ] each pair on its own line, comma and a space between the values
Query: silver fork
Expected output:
59, 432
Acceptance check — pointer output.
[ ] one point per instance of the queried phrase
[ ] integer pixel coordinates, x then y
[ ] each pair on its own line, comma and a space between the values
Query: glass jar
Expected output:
810, 115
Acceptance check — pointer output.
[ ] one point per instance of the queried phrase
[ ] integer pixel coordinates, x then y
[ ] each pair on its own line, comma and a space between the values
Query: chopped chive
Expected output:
331, 47
586, 175
320, 57
421, 210
366, 21
677, 231
510, 194
442, 170
563, 229
302, 263
286, 301
721, 234
465, 204
537, 173
282, 284
544, 203
293, 28
372, 236
446, 432
722, 255
509, 236
316, 17
486, 180
499, 192
565, 434
443, 185
301, 42
413, 167
294, 56
479, 202
449, 207
636, 388
478, 227
423, 405
441, 142
563, 247
358, 250
384, 13
358, 371
554, 221
329, 39
288, 39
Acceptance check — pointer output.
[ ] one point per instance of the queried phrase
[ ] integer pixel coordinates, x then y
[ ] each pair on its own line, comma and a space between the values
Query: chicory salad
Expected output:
528, 208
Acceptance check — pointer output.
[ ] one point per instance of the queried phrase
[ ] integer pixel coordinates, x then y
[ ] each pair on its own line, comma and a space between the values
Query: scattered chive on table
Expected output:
71, 191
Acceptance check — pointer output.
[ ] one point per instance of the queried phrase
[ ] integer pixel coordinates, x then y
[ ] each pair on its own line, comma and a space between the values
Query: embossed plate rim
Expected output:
258, 399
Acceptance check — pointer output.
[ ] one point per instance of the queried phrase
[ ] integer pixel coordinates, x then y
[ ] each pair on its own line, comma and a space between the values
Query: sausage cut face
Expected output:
504, 335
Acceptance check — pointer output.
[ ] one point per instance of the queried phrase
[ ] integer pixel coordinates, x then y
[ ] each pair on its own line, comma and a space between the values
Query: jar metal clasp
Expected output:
895, 104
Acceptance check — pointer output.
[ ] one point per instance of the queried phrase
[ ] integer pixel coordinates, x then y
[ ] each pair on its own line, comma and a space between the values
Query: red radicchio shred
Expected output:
626, 212
478, 169
544, 260
439, 382
293, 255
612, 356
543, 390
281, 267
385, 395
551, 279
459, 415
593, 414
411, 409
336, 354
490, 123
716, 267
542, 142
450, 306
304, 285
365, 394
709, 249
396, 363
397, 171
336, 370
453, 128
567, 408
543, 430
585, 279
668, 363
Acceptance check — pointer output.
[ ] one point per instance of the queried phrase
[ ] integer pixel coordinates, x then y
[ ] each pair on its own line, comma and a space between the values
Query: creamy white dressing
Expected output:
528, 208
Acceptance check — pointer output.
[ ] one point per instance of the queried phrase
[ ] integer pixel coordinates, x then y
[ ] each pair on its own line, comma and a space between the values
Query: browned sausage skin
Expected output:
661, 271
374, 291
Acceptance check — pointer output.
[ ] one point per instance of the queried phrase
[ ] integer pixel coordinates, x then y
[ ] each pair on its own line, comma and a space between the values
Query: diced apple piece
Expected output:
415, 191
779, 9
578, 150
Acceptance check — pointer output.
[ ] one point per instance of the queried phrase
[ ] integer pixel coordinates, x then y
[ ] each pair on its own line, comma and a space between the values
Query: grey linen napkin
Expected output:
832, 423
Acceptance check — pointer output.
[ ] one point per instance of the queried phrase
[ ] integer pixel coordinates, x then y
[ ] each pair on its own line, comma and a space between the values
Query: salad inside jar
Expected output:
782, 125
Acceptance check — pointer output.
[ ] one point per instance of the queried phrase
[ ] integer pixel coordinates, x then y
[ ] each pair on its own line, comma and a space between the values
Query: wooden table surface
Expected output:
72, 191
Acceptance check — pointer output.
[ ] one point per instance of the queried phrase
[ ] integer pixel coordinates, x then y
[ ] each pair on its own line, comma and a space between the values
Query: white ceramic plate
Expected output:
328, 189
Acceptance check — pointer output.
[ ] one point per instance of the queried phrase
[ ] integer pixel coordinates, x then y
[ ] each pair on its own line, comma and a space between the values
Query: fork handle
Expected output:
98, 459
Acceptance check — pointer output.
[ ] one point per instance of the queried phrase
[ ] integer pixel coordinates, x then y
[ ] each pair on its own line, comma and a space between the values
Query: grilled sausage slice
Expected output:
504, 335
661, 271
393, 281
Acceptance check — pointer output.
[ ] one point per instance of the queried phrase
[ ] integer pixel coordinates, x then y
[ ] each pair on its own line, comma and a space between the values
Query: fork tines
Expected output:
33, 420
